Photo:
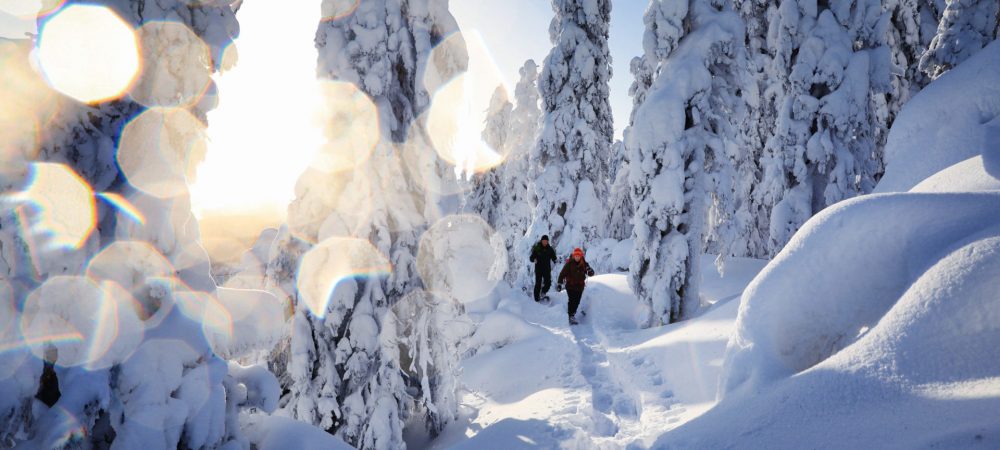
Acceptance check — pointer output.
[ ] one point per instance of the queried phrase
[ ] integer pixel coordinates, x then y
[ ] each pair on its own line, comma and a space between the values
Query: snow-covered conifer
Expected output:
679, 141
570, 164
516, 202
344, 371
827, 74
158, 382
966, 27
486, 196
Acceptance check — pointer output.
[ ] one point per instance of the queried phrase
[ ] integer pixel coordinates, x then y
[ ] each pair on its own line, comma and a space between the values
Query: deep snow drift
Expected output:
951, 120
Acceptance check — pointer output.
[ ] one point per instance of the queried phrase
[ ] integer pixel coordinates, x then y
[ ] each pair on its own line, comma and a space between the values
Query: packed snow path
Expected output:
537, 382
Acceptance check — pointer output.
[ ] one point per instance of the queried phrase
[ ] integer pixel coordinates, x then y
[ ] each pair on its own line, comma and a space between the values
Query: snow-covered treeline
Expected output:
748, 118
751, 116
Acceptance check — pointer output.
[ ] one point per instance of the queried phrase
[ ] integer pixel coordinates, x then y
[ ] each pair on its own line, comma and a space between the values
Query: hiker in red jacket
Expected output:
574, 277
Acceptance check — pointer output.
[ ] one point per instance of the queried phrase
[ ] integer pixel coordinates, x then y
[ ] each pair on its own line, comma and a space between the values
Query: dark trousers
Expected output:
574, 300
543, 281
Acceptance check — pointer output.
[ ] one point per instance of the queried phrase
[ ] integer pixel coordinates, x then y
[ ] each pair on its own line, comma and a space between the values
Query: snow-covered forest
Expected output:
794, 234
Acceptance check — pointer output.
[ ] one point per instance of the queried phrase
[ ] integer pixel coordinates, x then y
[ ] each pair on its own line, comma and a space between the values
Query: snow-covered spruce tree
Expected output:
425, 324
516, 203
775, 32
826, 79
965, 28
908, 41
679, 138
344, 370
570, 164
486, 194
157, 383
621, 207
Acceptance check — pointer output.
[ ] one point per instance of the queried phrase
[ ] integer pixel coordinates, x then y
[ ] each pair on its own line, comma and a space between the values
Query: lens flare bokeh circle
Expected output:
334, 260
30, 10
177, 66
28, 105
350, 122
140, 270
88, 53
12, 349
338, 9
73, 321
215, 319
461, 102
63, 203
160, 150
461, 257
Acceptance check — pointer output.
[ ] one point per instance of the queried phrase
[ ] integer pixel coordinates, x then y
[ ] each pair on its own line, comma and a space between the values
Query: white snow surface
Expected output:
948, 122
278, 433
536, 382
874, 328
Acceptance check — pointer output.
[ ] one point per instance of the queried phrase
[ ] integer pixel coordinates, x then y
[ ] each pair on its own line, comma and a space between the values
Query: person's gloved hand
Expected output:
559, 287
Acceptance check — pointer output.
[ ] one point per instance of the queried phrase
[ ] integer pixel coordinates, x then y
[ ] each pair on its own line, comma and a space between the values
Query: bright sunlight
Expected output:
265, 130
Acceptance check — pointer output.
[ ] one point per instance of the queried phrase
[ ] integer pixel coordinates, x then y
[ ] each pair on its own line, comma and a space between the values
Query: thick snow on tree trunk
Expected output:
140, 269
966, 27
570, 164
344, 369
679, 144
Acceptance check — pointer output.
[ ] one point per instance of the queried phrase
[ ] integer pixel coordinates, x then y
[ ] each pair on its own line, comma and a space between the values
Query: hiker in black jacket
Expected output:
543, 256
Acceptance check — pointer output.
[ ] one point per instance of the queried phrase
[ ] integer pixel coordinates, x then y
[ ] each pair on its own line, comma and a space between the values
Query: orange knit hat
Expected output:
578, 251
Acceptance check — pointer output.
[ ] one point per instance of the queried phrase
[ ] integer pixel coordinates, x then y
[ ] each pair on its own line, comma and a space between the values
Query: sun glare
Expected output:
263, 134
460, 105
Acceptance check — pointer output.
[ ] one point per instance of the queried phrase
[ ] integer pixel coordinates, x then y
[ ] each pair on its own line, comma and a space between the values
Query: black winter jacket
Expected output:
543, 257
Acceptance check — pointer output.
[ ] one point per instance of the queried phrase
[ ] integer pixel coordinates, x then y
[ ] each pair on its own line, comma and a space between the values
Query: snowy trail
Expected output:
606, 383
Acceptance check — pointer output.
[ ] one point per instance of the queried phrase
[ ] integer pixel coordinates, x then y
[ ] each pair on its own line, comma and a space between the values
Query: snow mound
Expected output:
946, 123
970, 175
498, 329
840, 275
277, 433
877, 327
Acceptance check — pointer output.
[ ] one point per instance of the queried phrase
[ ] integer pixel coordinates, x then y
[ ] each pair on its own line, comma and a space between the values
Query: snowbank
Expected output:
498, 329
946, 123
970, 175
279, 433
875, 328
839, 276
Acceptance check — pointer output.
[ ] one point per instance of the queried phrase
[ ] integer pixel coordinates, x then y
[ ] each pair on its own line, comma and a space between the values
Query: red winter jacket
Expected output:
575, 274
